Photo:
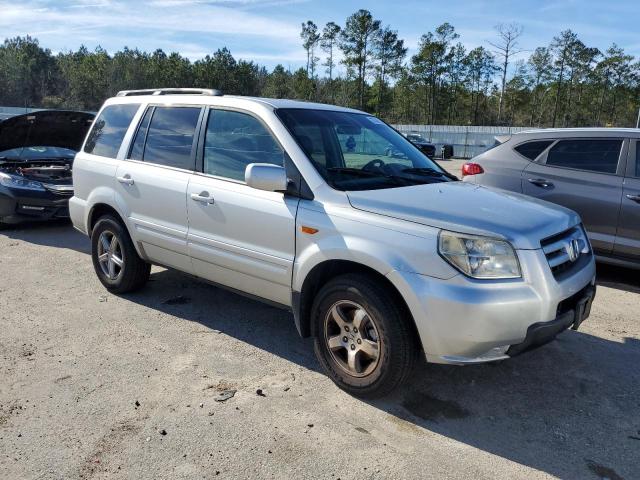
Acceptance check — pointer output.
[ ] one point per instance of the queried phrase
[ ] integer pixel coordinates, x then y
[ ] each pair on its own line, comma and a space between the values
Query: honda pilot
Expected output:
384, 259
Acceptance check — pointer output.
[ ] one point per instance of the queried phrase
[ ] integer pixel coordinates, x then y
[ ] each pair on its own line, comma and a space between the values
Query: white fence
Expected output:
467, 141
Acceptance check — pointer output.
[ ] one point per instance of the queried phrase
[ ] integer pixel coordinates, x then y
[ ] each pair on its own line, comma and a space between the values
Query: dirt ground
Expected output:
94, 385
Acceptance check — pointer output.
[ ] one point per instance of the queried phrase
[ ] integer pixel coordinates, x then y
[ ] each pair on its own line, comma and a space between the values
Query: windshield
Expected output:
35, 153
355, 151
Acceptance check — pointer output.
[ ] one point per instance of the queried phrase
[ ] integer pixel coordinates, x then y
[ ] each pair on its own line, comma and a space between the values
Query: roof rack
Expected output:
170, 91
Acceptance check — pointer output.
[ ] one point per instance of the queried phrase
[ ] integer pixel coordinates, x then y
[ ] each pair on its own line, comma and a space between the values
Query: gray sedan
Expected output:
594, 171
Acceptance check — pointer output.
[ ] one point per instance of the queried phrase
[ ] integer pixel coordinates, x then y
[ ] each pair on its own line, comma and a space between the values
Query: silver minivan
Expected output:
594, 171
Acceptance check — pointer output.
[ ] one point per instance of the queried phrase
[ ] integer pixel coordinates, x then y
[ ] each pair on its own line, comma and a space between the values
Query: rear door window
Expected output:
532, 150
169, 137
594, 155
109, 129
137, 148
234, 140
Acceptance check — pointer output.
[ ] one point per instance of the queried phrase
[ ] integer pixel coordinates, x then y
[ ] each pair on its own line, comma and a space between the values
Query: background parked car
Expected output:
594, 171
36, 157
429, 149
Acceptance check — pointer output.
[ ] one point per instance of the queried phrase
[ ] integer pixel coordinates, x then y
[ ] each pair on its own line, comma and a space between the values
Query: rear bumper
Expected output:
28, 206
78, 214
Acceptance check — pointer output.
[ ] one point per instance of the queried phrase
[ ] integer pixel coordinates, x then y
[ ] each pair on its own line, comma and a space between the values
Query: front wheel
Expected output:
363, 336
115, 259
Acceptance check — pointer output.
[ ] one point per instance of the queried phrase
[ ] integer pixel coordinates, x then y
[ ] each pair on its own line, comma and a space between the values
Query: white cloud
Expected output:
160, 19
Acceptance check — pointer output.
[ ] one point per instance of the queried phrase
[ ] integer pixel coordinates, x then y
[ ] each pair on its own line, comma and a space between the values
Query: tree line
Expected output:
361, 64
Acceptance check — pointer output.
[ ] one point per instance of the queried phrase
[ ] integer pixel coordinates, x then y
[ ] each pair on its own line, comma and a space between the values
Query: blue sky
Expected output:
267, 31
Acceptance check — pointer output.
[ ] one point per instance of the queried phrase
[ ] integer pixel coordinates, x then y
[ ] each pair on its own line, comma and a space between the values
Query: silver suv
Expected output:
382, 258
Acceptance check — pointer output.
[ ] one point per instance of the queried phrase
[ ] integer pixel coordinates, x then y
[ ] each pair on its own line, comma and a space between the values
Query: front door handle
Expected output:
202, 197
541, 182
635, 198
127, 180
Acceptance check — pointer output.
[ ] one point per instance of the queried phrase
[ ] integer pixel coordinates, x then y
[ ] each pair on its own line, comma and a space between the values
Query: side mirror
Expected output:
266, 176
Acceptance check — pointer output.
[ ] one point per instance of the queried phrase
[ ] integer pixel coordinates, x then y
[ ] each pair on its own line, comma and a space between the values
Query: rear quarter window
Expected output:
109, 130
532, 150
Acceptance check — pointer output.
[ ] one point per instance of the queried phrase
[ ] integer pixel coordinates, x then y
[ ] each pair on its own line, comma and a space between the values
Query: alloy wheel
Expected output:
110, 255
352, 338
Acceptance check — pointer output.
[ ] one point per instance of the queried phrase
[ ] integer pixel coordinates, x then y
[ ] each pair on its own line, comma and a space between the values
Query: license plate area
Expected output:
583, 309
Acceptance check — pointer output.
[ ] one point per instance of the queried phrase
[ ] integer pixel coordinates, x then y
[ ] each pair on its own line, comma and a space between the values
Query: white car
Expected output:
382, 259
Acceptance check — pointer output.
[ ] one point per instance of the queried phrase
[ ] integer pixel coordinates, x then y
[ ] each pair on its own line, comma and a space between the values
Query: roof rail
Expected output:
170, 91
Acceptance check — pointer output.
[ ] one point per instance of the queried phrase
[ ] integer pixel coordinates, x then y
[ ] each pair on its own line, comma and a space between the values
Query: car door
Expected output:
240, 237
152, 183
628, 236
585, 175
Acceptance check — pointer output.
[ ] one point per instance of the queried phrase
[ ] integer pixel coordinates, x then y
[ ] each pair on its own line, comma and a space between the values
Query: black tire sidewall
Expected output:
397, 350
130, 255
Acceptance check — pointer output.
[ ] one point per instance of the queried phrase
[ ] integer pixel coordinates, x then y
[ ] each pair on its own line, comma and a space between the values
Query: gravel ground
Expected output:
94, 385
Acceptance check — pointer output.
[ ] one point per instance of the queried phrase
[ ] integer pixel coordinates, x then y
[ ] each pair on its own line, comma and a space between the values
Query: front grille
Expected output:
566, 251
62, 190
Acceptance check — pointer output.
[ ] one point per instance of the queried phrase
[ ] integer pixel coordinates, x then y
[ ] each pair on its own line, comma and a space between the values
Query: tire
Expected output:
384, 323
132, 273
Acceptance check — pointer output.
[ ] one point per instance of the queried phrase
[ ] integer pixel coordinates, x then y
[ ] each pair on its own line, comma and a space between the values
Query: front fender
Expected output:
344, 236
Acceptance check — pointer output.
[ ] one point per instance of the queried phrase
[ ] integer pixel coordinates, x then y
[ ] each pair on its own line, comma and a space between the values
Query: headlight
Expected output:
15, 181
479, 257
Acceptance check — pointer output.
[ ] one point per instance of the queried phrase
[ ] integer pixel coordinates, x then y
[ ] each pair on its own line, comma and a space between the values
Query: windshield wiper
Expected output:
368, 174
356, 171
430, 172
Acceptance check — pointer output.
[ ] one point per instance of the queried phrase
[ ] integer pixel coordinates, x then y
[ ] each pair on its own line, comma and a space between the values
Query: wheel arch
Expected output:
98, 210
101, 208
324, 272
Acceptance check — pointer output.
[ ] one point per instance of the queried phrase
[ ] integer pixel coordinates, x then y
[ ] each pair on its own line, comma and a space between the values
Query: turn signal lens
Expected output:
470, 168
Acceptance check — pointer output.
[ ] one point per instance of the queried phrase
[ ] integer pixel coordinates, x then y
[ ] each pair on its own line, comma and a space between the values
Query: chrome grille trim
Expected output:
564, 250
66, 190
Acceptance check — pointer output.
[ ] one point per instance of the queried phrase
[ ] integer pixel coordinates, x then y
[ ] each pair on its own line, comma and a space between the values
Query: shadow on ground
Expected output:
57, 233
626, 279
570, 409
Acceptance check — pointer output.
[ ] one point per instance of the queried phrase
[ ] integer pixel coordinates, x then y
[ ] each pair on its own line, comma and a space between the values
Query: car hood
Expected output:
469, 208
50, 128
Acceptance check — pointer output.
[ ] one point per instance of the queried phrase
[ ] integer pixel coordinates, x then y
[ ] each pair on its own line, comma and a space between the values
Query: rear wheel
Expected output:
115, 259
363, 336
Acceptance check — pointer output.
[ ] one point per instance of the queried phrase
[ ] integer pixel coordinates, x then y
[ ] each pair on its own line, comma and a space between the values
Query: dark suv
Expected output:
429, 149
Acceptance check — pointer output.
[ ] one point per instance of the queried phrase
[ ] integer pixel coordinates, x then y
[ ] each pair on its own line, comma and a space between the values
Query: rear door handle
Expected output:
202, 197
635, 198
127, 180
541, 182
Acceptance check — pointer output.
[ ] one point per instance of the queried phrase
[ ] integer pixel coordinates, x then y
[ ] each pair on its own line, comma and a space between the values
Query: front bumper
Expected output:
18, 206
462, 320
571, 313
